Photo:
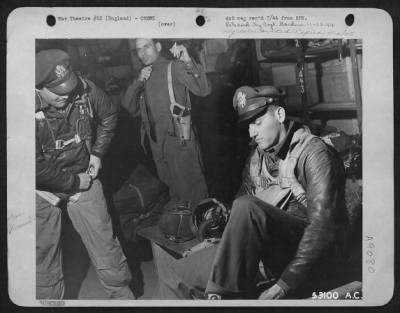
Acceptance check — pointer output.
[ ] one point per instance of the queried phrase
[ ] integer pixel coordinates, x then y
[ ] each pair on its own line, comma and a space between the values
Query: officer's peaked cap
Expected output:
53, 71
251, 101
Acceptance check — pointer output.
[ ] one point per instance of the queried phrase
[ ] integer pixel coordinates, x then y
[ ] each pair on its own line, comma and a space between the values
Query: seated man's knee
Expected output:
242, 205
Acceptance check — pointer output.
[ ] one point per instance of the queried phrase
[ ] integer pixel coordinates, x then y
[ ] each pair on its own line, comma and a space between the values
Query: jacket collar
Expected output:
42, 105
281, 149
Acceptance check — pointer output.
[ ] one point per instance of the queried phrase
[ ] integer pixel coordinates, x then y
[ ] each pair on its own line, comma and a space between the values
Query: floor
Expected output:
92, 290
80, 277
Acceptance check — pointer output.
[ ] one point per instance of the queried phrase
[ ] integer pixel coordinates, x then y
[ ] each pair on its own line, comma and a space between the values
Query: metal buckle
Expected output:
178, 110
60, 144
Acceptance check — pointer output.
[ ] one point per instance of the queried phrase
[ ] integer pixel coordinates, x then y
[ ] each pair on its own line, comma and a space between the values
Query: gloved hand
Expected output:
94, 166
84, 181
84, 184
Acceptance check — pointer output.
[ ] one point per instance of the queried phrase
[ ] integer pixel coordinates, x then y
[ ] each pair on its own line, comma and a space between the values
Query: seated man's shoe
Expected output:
214, 296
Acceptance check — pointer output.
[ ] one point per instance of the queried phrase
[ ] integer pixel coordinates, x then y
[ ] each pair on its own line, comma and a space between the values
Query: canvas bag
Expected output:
140, 198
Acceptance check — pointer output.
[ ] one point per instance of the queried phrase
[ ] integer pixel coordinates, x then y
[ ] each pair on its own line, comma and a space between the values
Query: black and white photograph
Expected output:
208, 167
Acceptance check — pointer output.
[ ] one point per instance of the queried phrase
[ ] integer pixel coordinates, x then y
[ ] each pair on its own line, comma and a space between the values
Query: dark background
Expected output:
230, 64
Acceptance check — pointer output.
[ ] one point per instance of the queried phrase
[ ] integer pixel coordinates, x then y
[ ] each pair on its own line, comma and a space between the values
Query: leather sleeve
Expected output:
323, 175
106, 117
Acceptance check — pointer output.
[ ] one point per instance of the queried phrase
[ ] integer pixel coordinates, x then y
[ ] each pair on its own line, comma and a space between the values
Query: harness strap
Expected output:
139, 193
82, 128
60, 144
278, 190
170, 87
287, 168
180, 114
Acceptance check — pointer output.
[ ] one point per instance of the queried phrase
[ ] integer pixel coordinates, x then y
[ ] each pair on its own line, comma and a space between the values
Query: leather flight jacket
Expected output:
66, 138
320, 173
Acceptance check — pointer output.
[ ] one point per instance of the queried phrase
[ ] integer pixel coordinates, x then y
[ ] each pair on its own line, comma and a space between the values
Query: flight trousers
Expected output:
90, 218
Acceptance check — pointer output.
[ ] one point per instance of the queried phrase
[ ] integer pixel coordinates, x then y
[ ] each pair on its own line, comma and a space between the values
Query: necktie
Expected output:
148, 118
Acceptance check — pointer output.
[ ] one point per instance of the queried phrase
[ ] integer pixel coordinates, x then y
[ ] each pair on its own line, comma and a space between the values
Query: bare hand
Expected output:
84, 181
275, 292
180, 52
145, 73
94, 166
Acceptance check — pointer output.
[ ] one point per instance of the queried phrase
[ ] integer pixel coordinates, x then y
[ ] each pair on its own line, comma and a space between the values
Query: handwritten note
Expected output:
18, 220
297, 25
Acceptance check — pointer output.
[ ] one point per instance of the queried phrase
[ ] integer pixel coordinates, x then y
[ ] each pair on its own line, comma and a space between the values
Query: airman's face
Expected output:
147, 50
53, 99
266, 130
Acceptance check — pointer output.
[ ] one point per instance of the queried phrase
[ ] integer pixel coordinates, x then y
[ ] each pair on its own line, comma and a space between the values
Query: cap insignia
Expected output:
241, 97
60, 71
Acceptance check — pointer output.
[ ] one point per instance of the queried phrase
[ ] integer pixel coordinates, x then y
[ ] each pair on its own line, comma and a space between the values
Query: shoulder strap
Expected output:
84, 98
170, 86
182, 108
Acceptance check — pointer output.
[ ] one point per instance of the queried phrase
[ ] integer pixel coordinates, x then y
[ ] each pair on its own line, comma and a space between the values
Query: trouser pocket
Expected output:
113, 270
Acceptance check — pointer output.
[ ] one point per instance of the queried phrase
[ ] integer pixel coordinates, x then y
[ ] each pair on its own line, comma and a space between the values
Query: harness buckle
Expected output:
61, 144
178, 111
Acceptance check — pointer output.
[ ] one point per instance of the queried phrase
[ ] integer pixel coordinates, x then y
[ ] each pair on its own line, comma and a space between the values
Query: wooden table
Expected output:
166, 253
154, 234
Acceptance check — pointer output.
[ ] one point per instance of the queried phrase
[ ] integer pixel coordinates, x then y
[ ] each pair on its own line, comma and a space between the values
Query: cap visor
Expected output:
67, 86
250, 116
